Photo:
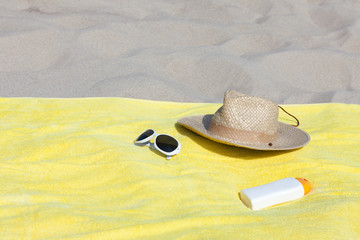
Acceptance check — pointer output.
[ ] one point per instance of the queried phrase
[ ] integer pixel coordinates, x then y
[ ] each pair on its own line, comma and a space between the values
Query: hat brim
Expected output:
289, 137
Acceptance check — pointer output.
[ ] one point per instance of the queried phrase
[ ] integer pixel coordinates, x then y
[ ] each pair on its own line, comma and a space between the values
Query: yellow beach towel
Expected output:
69, 170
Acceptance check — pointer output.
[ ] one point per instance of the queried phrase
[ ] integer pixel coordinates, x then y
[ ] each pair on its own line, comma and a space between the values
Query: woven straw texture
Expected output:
247, 121
289, 137
243, 112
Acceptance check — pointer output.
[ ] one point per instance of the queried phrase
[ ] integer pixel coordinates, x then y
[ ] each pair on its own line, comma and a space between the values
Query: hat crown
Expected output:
247, 113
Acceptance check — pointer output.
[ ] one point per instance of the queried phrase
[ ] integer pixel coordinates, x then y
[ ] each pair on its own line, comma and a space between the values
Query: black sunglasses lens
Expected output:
145, 134
166, 143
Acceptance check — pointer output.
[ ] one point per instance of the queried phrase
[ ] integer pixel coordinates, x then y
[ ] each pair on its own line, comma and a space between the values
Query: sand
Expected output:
292, 52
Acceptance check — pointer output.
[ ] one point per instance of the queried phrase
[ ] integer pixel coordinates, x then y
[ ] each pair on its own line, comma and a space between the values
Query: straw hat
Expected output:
249, 122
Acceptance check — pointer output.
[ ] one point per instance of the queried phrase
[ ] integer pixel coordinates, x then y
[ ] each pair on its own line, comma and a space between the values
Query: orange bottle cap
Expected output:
306, 185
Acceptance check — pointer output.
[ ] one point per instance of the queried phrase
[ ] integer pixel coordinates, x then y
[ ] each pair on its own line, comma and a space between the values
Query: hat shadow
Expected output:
228, 150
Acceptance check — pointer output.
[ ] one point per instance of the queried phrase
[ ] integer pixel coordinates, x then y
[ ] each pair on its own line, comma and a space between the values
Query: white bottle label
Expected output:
283, 190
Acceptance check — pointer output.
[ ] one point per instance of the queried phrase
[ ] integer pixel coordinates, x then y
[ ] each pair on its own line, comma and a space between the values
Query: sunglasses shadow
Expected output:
228, 150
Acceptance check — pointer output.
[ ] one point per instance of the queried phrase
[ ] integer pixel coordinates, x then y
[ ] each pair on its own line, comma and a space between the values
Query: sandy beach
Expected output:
292, 52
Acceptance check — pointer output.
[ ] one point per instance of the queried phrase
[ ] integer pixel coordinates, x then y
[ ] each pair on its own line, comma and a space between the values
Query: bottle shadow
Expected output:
228, 150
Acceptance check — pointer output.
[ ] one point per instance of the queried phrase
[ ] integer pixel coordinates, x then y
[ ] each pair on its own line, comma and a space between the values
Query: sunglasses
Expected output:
163, 143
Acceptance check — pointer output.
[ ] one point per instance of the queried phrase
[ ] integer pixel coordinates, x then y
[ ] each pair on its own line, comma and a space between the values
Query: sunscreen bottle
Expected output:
280, 191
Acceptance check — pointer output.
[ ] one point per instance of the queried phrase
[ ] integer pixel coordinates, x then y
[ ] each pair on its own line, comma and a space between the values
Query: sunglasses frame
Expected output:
146, 141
